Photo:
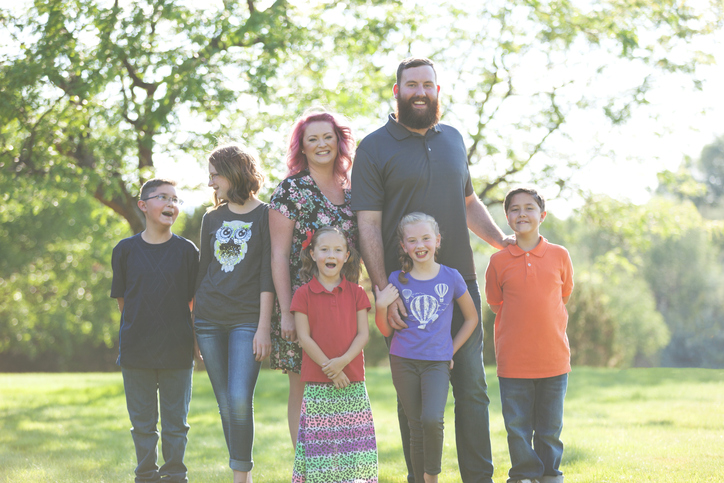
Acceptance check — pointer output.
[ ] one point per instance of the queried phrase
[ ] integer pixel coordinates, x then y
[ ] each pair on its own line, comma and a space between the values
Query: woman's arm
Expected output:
262, 339
333, 367
281, 230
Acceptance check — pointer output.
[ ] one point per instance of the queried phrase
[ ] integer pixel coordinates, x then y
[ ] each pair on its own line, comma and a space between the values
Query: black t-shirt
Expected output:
398, 172
156, 282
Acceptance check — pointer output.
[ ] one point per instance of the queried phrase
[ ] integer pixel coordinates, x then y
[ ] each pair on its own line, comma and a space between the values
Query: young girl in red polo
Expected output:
336, 441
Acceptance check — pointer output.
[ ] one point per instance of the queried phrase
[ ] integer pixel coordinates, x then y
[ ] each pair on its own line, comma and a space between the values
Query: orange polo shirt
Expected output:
332, 324
530, 327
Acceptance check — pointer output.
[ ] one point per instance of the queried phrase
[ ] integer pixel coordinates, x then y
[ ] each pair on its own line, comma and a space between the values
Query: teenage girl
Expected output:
421, 356
336, 440
235, 296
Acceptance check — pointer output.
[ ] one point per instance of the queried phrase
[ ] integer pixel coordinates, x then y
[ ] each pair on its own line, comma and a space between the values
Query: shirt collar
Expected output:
316, 286
400, 132
538, 251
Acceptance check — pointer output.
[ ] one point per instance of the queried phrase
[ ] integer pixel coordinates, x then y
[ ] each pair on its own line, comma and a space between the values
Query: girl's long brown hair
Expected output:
409, 219
241, 168
350, 270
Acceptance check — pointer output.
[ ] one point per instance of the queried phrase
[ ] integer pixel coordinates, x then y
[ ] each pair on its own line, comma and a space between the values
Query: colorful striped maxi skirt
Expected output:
336, 441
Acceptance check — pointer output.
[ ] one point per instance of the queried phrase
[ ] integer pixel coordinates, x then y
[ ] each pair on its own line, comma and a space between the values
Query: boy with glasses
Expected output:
154, 273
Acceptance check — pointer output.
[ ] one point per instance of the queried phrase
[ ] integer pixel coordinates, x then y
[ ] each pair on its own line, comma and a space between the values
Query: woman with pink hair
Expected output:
315, 193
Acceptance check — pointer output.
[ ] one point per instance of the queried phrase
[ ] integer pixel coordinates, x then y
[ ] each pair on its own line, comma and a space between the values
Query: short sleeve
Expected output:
493, 291
363, 301
469, 185
567, 275
300, 300
368, 192
118, 263
281, 199
460, 287
193, 268
267, 282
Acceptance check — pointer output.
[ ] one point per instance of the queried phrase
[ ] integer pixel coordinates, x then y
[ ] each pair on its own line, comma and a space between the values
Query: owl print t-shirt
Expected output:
429, 305
235, 265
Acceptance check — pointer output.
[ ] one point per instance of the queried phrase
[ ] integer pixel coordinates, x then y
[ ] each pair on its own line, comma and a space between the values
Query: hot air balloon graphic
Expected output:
441, 290
424, 309
406, 293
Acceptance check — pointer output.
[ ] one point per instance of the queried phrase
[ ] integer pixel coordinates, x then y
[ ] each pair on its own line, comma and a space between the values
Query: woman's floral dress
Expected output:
299, 199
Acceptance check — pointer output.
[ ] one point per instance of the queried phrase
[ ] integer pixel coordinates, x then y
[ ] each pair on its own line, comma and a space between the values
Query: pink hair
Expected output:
296, 161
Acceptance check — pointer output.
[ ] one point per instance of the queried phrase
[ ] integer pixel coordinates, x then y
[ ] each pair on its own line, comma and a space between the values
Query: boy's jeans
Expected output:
144, 389
233, 371
533, 410
470, 390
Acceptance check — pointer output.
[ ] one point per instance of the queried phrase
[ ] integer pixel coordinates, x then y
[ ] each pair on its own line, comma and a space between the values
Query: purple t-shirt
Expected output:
429, 305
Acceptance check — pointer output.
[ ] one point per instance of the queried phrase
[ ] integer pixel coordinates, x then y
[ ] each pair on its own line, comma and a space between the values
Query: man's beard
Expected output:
415, 119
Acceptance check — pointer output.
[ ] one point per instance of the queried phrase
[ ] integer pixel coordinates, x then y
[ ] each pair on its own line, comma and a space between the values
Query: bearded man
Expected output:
414, 163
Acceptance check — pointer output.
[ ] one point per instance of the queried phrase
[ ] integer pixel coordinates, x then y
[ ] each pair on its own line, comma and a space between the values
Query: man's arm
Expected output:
482, 224
372, 248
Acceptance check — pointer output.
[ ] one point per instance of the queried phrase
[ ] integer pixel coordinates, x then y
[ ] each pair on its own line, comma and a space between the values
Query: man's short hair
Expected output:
524, 189
411, 62
151, 185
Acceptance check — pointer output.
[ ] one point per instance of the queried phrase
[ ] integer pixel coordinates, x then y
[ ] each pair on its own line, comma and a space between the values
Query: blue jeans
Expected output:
233, 371
145, 388
533, 411
472, 425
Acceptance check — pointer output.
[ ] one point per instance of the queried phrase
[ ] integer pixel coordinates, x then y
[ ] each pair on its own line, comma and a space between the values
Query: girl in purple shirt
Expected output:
421, 354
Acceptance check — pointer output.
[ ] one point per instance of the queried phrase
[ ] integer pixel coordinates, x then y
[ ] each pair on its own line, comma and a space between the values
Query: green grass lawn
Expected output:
662, 425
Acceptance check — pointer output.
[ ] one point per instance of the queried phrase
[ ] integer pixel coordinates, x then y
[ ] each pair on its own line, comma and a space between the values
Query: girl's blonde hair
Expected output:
410, 219
350, 270
241, 168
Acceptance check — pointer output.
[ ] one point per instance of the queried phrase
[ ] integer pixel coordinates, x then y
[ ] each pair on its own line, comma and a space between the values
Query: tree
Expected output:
523, 75
701, 181
55, 309
95, 93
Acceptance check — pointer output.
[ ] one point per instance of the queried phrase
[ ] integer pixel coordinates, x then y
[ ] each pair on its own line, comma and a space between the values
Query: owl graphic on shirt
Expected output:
231, 246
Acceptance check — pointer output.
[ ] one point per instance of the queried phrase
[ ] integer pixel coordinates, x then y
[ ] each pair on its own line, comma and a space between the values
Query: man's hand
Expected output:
395, 311
509, 240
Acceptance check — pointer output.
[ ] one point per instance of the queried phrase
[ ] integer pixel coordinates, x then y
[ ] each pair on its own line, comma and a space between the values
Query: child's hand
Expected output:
452, 363
341, 381
261, 345
333, 367
384, 297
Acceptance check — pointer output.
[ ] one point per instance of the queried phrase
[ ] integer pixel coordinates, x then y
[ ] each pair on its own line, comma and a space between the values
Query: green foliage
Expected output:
55, 274
97, 90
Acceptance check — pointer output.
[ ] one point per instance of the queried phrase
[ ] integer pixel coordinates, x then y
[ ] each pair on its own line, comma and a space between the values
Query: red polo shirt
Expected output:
530, 327
332, 324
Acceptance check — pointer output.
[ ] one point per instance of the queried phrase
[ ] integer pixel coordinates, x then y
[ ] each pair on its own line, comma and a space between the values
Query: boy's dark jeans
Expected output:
533, 410
145, 388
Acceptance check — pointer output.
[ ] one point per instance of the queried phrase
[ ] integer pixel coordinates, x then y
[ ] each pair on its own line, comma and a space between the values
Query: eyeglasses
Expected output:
166, 199
212, 176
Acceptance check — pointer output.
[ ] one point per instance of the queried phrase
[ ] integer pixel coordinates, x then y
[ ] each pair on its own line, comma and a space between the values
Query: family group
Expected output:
280, 280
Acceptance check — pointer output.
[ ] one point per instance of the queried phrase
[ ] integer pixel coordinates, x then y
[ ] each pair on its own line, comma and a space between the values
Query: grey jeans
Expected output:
422, 388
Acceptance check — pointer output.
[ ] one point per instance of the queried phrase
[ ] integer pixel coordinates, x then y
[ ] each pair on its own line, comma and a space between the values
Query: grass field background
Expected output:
659, 425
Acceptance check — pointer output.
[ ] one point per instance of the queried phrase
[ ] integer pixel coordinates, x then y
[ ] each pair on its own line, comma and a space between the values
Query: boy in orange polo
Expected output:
527, 286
